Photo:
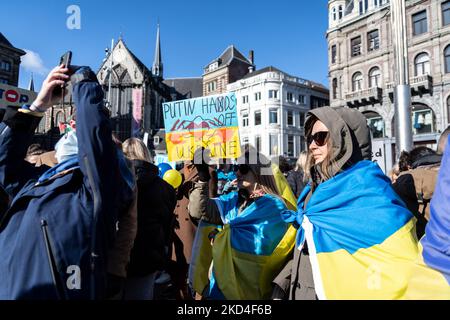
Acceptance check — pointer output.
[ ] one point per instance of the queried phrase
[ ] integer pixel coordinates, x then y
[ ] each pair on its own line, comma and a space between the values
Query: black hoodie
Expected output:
156, 204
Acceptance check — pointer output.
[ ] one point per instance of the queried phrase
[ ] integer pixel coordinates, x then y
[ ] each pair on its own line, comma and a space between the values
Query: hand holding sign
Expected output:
201, 162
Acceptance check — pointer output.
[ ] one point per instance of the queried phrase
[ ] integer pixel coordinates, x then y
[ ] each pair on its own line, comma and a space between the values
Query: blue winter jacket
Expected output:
55, 234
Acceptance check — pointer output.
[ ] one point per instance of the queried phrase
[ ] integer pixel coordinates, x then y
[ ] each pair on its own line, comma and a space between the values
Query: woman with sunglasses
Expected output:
355, 237
242, 233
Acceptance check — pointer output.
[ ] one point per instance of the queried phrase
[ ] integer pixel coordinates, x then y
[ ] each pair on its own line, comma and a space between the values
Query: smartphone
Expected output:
66, 59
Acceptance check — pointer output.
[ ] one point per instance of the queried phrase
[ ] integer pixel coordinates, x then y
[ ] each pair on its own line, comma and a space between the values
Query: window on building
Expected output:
356, 46
273, 116
446, 13
422, 119
333, 53
257, 96
245, 120
290, 145
258, 143
373, 40
290, 97
375, 77
302, 119
5, 66
273, 94
301, 99
334, 14
335, 88
357, 82
257, 118
273, 144
447, 59
419, 21
340, 12
244, 99
376, 124
213, 66
4, 81
212, 86
290, 118
422, 64
363, 6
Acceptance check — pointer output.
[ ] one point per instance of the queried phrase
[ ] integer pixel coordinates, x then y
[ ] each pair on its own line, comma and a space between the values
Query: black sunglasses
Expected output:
242, 168
320, 138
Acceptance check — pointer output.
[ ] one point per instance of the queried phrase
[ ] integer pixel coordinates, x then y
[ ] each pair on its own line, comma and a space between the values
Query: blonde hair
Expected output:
300, 165
135, 149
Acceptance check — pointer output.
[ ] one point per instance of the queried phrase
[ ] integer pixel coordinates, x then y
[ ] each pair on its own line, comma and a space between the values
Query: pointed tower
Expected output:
157, 68
31, 84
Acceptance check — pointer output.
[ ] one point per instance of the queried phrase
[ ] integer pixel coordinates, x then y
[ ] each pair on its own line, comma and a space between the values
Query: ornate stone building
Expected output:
361, 64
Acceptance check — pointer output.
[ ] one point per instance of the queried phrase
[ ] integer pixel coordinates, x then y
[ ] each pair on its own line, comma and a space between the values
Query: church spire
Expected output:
157, 68
31, 84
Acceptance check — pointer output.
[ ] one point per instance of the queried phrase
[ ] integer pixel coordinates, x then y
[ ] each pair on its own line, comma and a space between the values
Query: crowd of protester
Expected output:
94, 219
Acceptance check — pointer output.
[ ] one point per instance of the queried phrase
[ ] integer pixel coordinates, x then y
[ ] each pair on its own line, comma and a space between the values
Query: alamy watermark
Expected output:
74, 20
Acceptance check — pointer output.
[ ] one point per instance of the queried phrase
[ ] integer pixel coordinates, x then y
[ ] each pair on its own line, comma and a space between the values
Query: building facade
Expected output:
9, 62
229, 67
272, 106
362, 65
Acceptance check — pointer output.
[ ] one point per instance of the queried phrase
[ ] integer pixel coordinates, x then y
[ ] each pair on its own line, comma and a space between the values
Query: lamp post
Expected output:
108, 102
402, 91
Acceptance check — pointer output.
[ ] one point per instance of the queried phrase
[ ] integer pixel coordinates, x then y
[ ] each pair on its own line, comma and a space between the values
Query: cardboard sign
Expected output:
13, 96
210, 122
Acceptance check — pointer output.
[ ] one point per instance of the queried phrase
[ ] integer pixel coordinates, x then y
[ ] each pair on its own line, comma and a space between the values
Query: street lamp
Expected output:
402, 91
107, 51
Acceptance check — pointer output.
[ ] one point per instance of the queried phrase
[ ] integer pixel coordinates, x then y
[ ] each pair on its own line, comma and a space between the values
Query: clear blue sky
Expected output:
288, 34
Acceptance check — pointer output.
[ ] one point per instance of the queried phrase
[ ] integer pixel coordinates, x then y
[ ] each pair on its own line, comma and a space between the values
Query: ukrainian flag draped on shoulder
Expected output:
242, 253
361, 238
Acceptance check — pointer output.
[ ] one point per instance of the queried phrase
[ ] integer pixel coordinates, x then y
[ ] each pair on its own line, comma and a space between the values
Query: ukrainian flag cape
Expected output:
250, 248
430, 277
361, 238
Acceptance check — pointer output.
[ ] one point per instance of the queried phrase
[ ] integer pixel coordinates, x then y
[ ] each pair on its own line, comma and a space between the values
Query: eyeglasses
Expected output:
242, 168
320, 138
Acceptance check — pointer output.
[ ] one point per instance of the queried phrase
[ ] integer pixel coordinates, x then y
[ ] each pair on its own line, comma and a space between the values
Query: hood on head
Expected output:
348, 131
362, 142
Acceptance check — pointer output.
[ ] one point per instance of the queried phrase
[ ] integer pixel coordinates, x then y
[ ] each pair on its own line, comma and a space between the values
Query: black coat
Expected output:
156, 204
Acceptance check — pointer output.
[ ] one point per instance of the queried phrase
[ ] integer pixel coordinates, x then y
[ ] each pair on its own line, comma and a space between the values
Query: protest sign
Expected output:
210, 122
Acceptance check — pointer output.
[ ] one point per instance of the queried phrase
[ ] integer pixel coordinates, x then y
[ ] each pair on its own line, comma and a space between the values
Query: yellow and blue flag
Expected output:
248, 251
361, 237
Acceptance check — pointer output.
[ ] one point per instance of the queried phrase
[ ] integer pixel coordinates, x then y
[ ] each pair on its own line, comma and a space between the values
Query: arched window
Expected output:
335, 88
374, 77
447, 59
422, 118
376, 124
334, 14
357, 81
340, 12
422, 64
59, 118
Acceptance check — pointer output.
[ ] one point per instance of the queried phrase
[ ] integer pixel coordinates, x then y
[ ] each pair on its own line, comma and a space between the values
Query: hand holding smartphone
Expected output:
66, 60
